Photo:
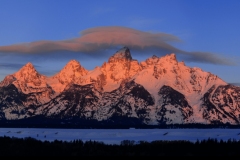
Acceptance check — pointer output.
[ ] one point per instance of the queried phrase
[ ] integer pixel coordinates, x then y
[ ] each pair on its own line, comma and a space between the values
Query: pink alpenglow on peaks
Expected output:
29, 79
27, 72
123, 53
159, 90
71, 73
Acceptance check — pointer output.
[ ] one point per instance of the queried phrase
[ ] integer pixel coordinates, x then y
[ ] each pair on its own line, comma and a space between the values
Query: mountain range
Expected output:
159, 90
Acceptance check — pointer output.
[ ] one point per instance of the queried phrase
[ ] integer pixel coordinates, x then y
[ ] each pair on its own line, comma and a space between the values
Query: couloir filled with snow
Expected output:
155, 91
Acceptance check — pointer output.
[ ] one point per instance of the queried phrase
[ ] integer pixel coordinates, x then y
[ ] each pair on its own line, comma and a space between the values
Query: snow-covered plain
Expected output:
115, 136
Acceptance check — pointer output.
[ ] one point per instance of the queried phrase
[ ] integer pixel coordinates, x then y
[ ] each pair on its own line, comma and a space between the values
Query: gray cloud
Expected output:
203, 57
94, 41
14, 66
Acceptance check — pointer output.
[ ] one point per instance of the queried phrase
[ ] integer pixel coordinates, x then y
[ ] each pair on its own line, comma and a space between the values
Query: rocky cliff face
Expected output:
159, 90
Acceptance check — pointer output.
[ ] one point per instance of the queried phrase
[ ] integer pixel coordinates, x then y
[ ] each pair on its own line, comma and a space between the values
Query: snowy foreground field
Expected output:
115, 136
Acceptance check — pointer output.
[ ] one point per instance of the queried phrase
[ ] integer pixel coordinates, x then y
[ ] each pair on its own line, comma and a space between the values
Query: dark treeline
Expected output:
11, 146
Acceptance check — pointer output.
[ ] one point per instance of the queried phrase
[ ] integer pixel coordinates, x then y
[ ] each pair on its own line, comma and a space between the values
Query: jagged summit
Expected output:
123, 53
70, 73
73, 66
159, 90
73, 62
7, 80
170, 57
27, 72
28, 66
27, 80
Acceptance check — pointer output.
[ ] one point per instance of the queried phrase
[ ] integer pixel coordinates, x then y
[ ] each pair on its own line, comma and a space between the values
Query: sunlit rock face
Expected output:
29, 82
159, 90
120, 67
70, 74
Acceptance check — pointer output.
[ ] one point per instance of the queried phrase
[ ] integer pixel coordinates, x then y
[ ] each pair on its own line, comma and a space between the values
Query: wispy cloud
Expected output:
15, 66
95, 40
12, 66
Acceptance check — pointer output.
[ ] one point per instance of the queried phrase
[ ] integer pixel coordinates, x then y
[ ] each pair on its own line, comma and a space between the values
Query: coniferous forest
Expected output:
11, 146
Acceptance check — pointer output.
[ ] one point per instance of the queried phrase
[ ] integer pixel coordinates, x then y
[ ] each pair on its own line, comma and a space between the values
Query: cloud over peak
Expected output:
95, 40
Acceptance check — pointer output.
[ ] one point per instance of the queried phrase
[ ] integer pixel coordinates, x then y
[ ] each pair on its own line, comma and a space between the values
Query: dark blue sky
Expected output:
200, 25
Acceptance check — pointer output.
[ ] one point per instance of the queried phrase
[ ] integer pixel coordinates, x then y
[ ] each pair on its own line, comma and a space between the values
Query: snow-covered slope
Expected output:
119, 67
159, 90
22, 92
28, 81
70, 74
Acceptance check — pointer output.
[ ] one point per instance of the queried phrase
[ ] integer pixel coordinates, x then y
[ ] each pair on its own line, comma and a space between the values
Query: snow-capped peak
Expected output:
169, 57
27, 73
159, 89
120, 66
70, 73
73, 63
72, 69
123, 53
27, 80
28, 68
7, 80
28, 65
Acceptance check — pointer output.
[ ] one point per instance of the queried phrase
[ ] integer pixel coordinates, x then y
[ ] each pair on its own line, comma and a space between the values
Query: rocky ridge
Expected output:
159, 90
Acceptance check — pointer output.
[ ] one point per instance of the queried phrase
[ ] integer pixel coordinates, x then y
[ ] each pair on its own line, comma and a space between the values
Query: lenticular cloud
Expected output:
97, 39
